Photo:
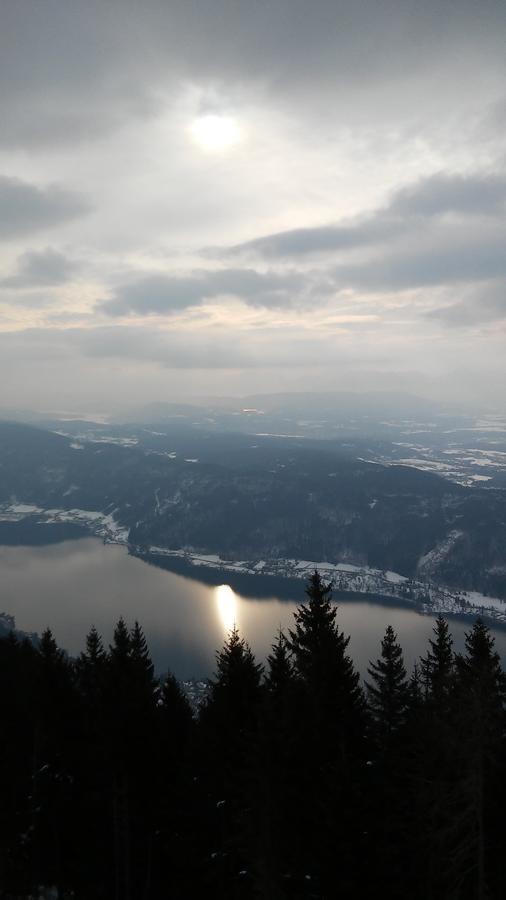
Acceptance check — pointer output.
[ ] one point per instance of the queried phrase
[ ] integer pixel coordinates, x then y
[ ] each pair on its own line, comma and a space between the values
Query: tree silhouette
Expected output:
480, 731
387, 692
279, 665
287, 786
330, 743
438, 663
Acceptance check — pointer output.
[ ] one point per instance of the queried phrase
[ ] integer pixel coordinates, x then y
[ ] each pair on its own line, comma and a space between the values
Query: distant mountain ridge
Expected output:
372, 404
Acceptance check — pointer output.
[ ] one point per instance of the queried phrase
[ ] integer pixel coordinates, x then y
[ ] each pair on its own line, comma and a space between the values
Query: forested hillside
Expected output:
268, 499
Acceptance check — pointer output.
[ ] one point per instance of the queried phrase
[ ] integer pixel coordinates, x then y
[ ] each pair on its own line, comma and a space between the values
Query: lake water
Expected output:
74, 584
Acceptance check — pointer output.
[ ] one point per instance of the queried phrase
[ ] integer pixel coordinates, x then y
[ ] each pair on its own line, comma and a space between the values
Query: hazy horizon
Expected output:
400, 404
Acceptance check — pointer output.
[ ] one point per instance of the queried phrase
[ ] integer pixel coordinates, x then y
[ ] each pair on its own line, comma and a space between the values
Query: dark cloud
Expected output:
446, 258
26, 208
40, 268
71, 70
442, 230
166, 294
482, 306
409, 207
324, 239
472, 195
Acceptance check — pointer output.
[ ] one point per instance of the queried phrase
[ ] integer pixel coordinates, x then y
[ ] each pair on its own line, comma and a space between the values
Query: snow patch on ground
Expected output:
71, 489
428, 598
102, 524
431, 559
428, 465
15, 512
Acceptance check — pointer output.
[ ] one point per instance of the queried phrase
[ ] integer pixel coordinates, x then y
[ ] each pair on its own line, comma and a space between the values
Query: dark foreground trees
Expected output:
292, 782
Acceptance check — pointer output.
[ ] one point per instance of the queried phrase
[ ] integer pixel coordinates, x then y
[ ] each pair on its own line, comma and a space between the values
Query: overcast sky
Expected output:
237, 196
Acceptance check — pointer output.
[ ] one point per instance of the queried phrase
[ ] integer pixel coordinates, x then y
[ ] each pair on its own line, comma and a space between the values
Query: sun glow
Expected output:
226, 605
214, 133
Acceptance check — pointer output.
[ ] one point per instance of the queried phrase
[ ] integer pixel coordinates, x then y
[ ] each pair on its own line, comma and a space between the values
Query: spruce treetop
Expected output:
280, 669
235, 660
318, 647
94, 652
438, 664
139, 652
49, 650
120, 647
480, 669
387, 692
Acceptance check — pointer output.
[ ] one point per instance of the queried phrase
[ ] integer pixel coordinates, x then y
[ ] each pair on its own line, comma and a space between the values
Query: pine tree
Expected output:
176, 810
119, 650
480, 668
174, 706
19, 679
90, 666
438, 664
95, 653
319, 648
228, 730
479, 752
457, 782
142, 671
132, 725
387, 697
275, 796
280, 669
94, 776
51, 654
139, 652
330, 743
236, 686
56, 749
387, 693
415, 690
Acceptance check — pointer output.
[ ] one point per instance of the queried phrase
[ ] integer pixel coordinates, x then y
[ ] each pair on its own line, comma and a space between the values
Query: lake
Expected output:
71, 585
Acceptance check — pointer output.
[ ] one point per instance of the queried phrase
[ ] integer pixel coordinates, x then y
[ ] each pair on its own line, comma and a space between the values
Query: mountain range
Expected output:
259, 497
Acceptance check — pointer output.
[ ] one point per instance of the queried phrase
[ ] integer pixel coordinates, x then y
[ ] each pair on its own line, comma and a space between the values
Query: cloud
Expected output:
478, 307
380, 139
171, 348
27, 208
448, 257
441, 230
408, 209
40, 268
166, 294
70, 72
470, 195
323, 239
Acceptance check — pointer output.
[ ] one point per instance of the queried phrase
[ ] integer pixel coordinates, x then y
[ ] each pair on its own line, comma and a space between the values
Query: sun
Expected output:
213, 132
226, 604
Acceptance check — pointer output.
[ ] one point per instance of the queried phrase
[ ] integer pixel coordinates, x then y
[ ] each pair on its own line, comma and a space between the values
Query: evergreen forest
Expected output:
294, 779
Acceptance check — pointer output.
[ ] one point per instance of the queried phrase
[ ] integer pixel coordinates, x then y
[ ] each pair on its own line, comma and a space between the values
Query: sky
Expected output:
246, 196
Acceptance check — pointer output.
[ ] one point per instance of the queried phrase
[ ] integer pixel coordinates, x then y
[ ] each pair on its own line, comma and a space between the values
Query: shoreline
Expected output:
350, 580
440, 600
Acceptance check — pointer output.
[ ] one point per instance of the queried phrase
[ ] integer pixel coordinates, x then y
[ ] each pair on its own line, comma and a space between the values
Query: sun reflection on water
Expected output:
226, 604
